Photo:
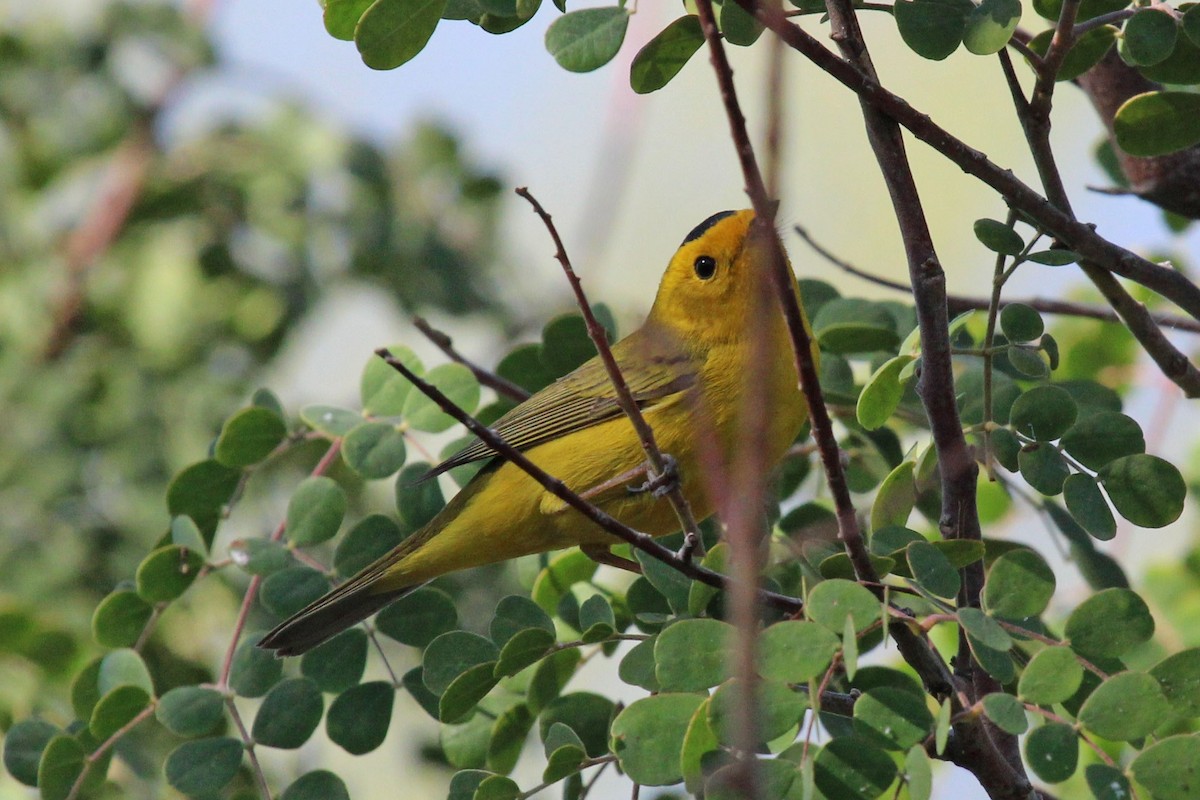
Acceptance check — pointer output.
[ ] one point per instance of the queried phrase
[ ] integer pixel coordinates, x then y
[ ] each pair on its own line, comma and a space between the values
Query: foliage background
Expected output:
95, 434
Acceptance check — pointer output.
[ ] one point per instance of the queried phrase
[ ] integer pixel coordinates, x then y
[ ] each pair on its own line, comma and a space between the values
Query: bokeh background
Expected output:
200, 199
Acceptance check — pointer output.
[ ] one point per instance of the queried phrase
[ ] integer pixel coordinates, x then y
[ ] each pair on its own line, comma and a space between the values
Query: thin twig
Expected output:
501, 385
556, 487
93, 757
959, 303
654, 456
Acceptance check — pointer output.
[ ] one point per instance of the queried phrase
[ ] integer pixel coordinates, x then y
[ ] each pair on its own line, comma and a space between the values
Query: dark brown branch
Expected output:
958, 303
501, 385
654, 456
556, 487
1075, 235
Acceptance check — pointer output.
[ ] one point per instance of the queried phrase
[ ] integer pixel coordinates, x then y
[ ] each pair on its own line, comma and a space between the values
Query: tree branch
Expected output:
501, 385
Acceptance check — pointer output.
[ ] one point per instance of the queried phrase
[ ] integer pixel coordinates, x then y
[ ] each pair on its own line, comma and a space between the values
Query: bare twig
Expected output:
501, 385
958, 303
654, 456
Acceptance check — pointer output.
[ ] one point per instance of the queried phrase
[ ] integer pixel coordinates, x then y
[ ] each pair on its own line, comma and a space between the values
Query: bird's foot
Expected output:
660, 485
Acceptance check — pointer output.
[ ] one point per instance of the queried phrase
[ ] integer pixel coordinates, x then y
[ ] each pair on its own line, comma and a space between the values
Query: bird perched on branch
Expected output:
687, 368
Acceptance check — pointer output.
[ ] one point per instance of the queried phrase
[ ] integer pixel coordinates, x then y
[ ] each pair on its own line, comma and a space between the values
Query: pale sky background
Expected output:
594, 154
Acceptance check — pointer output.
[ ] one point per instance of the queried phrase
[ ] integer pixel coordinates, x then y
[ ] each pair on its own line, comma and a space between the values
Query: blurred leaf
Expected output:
1158, 123
190, 710
249, 436
391, 32
582, 41
374, 450
316, 785
315, 511
359, 717
204, 766
289, 714
663, 57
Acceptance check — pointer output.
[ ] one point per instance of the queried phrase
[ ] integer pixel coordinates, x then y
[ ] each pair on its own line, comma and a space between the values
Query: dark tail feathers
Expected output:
325, 618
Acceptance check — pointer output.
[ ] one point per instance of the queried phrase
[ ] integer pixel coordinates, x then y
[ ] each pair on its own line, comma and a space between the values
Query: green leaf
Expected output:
698, 741
1044, 413
515, 614
315, 511
1019, 585
287, 591
693, 654
419, 617
1007, 712
931, 29
998, 237
116, 709
831, 602
120, 619
1158, 123
1021, 323
358, 718
374, 450
1051, 676
892, 718
846, 325
984, 629
249, 436
391, 32
1084, 54
663, 57
523, 366
337, 664
637, 667
509, 733
996, 663
62, 763
460, 387
1179, 676
1149, 38
254, 670
564, 571
1054, 258
417, 501
185, 534
932, 570
370, 538
167, 572
260, 556
201, 492
1109, 624
341, 18
203, 767
319, 784
383, 389
289, 714
1027, 360
1146, 490
1125, 707
647, 737
24, 744
850, 768
1043, 468
882, 393
738, 27
990, 25
1167, 769
1089, 508
582, 41
414, 683
453, 653
551, 677
589, 715
1052, 752
123, 668
779, 709
331, 420
523, 648
596, 619
918, 774
190, 710
795, 652
1107, 783
672, 584
1104, 436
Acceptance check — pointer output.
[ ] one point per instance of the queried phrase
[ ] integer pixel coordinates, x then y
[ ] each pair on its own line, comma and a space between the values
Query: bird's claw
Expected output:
660, 485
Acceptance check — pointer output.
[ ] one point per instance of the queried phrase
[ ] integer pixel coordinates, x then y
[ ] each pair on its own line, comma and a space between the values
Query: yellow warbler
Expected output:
687, 368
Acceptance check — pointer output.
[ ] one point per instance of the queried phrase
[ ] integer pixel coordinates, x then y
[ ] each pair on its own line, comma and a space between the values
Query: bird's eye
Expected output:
705, 266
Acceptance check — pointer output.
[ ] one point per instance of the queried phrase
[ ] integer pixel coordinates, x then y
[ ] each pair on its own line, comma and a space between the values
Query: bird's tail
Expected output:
348, 604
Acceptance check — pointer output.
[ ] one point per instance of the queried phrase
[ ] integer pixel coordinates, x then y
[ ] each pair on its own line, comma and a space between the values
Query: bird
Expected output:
687, 368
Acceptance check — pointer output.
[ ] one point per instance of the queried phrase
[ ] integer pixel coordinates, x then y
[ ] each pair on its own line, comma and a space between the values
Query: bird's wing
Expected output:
654, 367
